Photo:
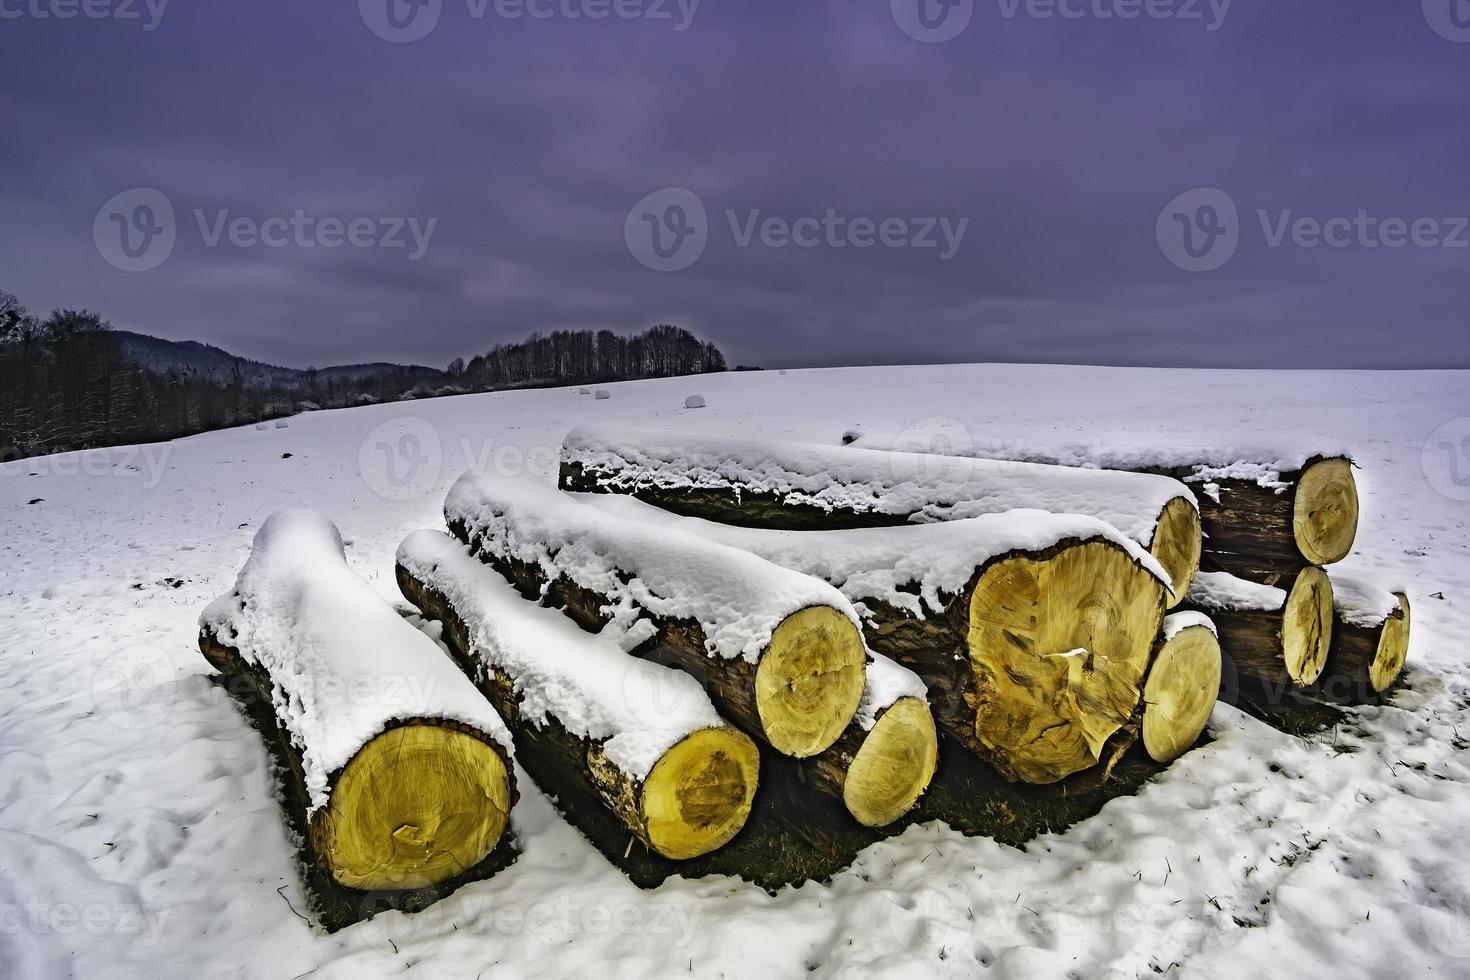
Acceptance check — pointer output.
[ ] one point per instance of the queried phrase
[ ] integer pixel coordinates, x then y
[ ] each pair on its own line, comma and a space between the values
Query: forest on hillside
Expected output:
66, 384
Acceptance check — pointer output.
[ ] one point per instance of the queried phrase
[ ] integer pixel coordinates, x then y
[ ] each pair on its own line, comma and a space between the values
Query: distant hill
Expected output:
204, 362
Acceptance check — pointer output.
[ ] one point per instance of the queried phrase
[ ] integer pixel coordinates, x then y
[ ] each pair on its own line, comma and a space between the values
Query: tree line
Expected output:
565, 357
65, 384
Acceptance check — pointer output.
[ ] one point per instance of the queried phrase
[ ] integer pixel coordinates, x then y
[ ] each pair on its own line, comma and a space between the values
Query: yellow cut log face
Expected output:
698, 795
894, 766
810, 681
1182, 688
1177, 544
1325, 511
1059, 645
1393, 647
1306, 626
416, 806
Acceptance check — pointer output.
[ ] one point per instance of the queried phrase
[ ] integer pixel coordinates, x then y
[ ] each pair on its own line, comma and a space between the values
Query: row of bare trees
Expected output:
590, 357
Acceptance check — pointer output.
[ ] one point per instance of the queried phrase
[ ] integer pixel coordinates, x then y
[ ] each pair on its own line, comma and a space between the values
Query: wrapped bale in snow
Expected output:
641, 738
885, 760
782, 653
797, 486
404, 769
1269, 508
1183, 686
1033, 631
1370, 640
1274, 637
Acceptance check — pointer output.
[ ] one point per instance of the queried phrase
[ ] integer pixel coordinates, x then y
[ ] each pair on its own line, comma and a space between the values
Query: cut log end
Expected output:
1059, 645
1325, 512
1177, 544
810, 681
1306, 626
1393, 647
698, 795
894, 766
1182, 688
414, 807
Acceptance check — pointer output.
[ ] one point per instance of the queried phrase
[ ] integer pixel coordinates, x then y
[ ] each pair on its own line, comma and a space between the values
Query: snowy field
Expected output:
139, 835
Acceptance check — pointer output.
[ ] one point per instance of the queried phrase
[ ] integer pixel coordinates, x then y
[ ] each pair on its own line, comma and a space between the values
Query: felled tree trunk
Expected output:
884, 761
1370, 642
402, 770
1183, 686
1274, 641
642, 739
780, 653
801, 487
1269, 533
1033, 632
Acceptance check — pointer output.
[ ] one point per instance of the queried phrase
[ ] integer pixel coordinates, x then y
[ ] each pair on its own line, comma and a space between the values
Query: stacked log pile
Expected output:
396, 771
710, 651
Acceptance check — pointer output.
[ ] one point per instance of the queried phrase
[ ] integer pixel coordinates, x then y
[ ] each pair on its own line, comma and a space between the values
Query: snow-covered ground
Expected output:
139, 836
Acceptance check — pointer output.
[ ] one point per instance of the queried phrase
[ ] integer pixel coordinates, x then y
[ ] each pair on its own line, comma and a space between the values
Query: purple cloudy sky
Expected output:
530, 139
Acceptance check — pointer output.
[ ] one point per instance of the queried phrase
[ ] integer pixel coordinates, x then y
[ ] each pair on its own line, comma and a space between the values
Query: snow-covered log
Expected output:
1183, 686
781, 653
1033, 631
884, 761
403, 770
800, 486
1370, 640
642, 738
1274, 637
1269, 506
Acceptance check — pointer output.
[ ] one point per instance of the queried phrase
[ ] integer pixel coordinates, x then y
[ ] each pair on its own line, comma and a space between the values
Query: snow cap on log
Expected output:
325, 638
644, 737
634, 709
1156, 511
911, 567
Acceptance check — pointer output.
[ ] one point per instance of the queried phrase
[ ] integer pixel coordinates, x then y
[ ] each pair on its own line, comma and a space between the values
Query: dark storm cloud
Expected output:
1060, 140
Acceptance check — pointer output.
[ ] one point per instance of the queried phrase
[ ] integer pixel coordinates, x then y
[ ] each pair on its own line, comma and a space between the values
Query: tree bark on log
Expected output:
1183, 686
1368, 653
1032, 632
1274, 642
405, 771
693, 800
803, 487
1270, 533
796, 690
